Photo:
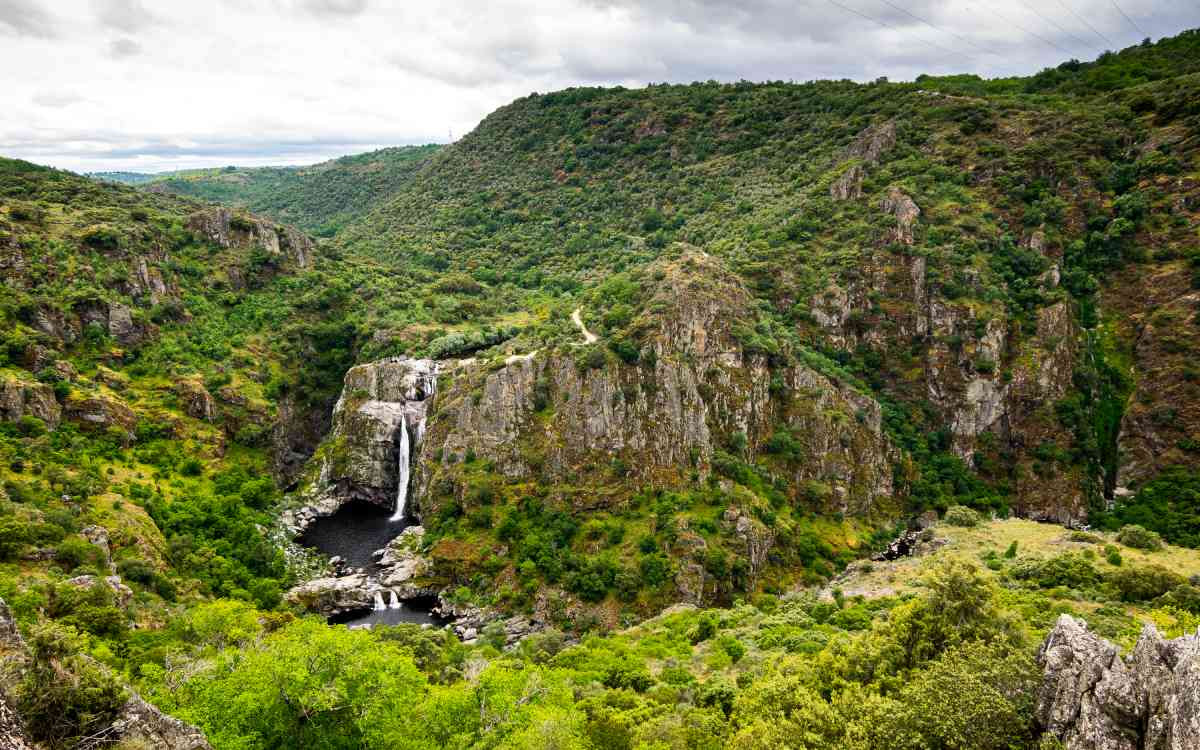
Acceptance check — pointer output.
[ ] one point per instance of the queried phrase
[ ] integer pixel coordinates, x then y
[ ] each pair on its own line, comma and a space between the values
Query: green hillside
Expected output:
1039, 205
319, 199
704, 348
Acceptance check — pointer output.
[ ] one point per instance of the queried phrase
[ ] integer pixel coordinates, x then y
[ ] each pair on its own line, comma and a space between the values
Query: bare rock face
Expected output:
12, 733
20, 398
1092, 699
123, 593
98, 536
403, 566
197, 402
222, 227
849, 185
141, 724
905, 211
295, 435
873, 142
333, 596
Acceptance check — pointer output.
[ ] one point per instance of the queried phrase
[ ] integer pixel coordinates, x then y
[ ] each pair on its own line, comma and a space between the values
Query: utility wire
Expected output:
887, 25
1034, 34
960, 37
1056, 25
1130, 20
1109, 42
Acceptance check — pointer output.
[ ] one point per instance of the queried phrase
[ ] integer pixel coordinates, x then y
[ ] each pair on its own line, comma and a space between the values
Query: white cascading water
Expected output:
402, 472
393, 601
417, 404
379, 605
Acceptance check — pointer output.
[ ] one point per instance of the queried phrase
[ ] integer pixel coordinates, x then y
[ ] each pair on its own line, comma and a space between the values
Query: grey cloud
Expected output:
119, 49
347, 8
129, 16
26, 18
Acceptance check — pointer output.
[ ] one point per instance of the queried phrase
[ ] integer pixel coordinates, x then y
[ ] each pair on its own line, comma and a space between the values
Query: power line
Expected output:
1027, 31
1130, 20
887, 25
1056, 25
1087, 23
935, 28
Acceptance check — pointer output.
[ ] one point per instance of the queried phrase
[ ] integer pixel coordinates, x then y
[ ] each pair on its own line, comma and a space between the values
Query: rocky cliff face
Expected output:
591, 429
227, 229
376, 424
697, 392
1093, 699
33, 399
993, 382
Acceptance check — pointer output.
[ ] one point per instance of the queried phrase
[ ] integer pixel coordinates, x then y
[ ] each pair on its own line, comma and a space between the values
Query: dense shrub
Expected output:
1142, 584
1138, 537
1069, 569
959, 515
64, 696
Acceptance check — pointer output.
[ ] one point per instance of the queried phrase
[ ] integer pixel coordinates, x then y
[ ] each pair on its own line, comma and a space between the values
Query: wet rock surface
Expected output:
380, 413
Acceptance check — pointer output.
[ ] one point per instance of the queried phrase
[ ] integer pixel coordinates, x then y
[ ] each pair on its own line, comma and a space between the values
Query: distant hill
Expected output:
127, 178
319, 199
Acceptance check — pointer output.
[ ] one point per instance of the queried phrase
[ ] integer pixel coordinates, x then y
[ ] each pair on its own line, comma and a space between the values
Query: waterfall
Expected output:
402, 472
379, 605
393, 601
416, 405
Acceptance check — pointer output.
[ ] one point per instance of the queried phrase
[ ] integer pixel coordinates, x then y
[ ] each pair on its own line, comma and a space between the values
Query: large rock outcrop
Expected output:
20, 398
1093, 699
227, 229
401, 572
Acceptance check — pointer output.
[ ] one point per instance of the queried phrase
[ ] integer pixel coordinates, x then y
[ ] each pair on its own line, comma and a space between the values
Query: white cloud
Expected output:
172, 84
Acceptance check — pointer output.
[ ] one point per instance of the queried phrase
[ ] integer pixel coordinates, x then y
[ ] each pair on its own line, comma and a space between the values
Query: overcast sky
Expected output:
150, 85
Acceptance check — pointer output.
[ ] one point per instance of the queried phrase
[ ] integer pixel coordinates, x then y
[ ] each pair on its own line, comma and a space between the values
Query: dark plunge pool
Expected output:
353, 533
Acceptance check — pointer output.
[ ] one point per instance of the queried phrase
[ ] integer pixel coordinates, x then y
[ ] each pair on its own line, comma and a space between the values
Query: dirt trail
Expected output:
588, 336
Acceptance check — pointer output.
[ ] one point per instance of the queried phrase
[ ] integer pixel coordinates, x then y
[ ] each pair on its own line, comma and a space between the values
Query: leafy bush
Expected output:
960, 515
1142, 584
1069, 569
64, 695
1138, 537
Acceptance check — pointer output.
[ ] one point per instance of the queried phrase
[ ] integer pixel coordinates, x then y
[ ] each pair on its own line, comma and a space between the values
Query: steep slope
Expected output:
143, 345
964, 247
319, 199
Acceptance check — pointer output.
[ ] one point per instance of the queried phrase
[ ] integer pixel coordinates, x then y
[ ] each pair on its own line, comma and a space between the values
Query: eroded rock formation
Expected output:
1093, 699
227, 229
697, 392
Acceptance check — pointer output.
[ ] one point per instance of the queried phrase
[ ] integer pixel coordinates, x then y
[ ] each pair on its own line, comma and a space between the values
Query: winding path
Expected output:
588, 336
